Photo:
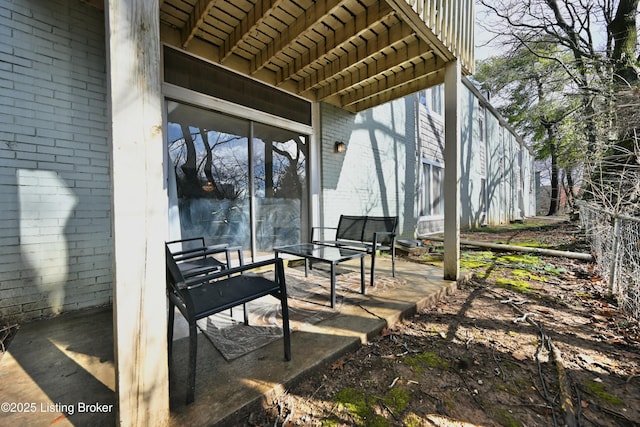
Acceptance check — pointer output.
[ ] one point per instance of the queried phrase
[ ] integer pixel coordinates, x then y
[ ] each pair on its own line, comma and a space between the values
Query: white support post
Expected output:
314, 176
139, 212
452, 83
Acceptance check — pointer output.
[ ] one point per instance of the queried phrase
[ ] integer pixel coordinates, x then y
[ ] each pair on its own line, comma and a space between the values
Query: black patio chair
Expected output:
194, 257
213, 292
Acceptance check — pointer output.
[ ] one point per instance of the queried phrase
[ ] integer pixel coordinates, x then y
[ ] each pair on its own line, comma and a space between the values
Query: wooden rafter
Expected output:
248, 26
348, 70
350, 53
196, 18
407, 73
374, 32
432, 79
313, 20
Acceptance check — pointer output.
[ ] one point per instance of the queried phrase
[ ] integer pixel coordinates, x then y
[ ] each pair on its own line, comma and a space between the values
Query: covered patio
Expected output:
75, 361
352, 55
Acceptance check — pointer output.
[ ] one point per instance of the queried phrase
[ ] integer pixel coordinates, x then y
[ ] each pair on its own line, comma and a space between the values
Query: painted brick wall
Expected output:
377, 174
55, 228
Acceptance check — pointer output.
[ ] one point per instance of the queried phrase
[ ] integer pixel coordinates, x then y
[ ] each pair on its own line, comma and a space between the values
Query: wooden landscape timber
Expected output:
528, 249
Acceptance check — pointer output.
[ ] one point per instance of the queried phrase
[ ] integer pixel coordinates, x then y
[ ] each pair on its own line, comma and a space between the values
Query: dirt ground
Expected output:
528, 341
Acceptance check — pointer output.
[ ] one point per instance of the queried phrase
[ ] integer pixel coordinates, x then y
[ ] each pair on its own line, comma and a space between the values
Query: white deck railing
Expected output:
452, 21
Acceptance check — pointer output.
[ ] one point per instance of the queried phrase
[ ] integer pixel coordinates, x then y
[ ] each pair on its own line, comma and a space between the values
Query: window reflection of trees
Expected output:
208, 164
210, 154
281, 174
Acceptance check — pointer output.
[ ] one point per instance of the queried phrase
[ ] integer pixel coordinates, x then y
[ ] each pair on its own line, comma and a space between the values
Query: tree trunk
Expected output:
624, 32
191, 185
571, 195
555, 193
212, 185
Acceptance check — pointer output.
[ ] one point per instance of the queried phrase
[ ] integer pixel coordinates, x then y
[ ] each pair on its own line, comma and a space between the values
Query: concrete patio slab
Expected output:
61, 371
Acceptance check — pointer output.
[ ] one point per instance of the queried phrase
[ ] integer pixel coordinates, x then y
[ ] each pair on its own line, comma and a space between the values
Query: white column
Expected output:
314, 172
452, 83
139, 212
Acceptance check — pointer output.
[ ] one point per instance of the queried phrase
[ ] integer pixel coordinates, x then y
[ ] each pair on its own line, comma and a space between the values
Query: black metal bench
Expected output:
213, 292
368, 234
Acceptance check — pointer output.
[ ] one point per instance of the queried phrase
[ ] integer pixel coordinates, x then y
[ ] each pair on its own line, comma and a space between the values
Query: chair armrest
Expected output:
215, 249
202, 251
206, 278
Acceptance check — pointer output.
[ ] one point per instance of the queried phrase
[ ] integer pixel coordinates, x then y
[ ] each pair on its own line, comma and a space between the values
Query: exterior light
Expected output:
340, 147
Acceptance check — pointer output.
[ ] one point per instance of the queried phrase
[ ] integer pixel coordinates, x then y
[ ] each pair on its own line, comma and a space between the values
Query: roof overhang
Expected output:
353, 54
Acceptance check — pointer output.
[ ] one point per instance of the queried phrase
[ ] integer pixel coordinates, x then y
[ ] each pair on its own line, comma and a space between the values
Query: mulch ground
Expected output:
529, 340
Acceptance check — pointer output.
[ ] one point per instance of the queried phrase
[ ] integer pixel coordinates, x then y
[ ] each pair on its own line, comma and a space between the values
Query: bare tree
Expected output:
538, 103
601, 37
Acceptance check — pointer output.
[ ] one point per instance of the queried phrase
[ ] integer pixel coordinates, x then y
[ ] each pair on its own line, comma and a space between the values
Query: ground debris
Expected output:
572, 358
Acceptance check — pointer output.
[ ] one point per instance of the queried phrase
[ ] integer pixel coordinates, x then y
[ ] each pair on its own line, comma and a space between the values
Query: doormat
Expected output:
309, 303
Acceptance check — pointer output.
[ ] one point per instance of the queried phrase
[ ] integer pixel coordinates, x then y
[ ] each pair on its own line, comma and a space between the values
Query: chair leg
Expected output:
373, 266
170, 322
246, 314
393, 260
285, 328
193, 350
286, 331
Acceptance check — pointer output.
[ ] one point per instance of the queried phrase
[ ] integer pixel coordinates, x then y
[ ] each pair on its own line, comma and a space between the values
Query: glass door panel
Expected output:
280, 162
209, 156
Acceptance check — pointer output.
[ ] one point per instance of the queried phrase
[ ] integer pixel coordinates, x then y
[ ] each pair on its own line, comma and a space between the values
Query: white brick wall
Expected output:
371, 178
55, 228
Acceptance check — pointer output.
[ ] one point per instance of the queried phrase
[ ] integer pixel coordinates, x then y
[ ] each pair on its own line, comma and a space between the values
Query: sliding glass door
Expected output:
236, 181
279, 158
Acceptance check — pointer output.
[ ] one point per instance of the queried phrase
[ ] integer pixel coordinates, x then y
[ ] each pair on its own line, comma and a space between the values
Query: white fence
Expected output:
615, 241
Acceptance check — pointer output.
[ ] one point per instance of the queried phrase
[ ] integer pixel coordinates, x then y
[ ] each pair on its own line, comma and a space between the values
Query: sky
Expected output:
483, 39
484, 49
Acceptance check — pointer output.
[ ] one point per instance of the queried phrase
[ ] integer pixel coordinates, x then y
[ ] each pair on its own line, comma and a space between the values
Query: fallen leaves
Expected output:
336, 366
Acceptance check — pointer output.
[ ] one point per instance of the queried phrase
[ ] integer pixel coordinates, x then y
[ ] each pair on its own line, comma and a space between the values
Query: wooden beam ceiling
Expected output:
353, 54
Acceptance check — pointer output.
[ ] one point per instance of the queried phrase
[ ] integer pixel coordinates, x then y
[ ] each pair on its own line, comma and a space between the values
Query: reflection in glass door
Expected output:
229, 191
279, 158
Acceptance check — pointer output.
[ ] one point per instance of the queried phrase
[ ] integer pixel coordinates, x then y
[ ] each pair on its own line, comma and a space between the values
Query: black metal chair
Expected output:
194, 257
213, 292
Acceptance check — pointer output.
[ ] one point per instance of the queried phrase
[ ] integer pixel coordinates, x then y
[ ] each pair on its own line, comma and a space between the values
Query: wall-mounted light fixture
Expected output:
340, 147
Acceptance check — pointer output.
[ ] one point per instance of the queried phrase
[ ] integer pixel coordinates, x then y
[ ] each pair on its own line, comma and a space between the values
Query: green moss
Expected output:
514, 285
505, 418
527, 275
474, 260
359, 406
413, 420
530, 244
354, 400
428, 359
430, 257
552, 269
508, 387
598, 389
397, 399
377, 421
520, 259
